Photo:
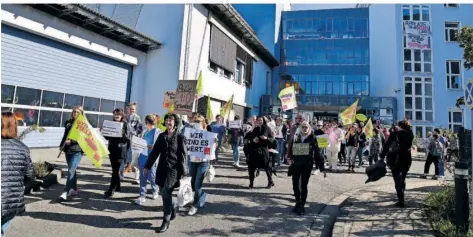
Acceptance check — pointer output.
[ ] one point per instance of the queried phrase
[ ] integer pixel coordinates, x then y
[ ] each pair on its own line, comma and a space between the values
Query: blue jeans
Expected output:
197, 172
5, 226
236, 153
129, 157
360, 155
281, 150
219, 144
441, 167
73, 161
144, 181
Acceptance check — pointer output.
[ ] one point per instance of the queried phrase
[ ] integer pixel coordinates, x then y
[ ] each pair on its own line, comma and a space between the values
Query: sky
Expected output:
296, 7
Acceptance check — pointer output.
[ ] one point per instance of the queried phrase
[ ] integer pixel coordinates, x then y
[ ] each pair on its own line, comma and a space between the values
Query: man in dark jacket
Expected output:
17, 169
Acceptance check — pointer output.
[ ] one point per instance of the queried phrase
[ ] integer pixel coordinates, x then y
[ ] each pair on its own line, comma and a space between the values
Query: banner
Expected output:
185, 95
288, 98
234, 124
322, 140
200, 143
368, 129
169, 97
139, 145
89, 140
227, 108
112, 128
348, 116
300, 149
417, 34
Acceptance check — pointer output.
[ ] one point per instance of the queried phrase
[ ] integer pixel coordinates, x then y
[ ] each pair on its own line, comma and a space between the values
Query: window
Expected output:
93, 119
451, 31
72, 100
107, 106
50, 118
415, 13
28, 96
65, 116
418, 98
52, 99
450, 5
91, 104
240, 72
28, 117
213, 67
119, 105
455, 119
416, 60
454, 76
7, 94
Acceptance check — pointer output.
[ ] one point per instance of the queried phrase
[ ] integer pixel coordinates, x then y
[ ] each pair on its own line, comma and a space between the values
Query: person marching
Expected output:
172, 166
257, 142
150, 136
118, 148
352, 146
236, 140
73, 156
335, 135
136, 129
303, 152
280, 135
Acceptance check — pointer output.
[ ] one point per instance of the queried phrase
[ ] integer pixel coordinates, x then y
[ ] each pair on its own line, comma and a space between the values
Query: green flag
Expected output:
200, 85
227, 107
209, 110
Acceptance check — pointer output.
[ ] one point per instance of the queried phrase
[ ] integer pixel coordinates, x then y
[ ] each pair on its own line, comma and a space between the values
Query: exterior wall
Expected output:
387, 60
215, 85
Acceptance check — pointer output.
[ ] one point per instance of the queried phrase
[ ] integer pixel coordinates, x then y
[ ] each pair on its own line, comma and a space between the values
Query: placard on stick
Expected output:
185, 95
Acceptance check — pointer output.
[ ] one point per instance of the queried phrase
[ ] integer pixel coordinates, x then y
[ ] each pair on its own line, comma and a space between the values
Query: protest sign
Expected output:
322, 140
200, 143
185, 95
417, 33
139, 145
301, 149
234, 124
288, 98
112, 128
169, 97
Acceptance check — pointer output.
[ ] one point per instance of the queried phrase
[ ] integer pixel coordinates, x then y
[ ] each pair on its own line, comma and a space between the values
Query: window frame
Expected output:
39, 108
422, 61
423, 97
411, 12
447, 30
450, 74
451, 123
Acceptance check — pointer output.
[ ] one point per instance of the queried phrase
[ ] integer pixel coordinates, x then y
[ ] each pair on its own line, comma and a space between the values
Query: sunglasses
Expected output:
304, 127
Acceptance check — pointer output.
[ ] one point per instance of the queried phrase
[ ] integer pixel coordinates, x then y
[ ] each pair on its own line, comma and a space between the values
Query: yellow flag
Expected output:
200, 85
288, 98
89, 141
227, 107
368, 129
209, 110
348, 116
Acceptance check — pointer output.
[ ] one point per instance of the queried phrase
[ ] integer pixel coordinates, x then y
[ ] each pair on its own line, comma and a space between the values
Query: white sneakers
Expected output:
156, 195
236, 165
73, 192
140, 200
192, 211
316, 172
63, 196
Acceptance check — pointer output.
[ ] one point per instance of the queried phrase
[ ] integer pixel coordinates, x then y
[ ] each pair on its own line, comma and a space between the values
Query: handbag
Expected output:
210, 173
184, 195
393, 154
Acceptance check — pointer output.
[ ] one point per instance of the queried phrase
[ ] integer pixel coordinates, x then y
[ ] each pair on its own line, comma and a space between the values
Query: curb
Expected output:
332, 210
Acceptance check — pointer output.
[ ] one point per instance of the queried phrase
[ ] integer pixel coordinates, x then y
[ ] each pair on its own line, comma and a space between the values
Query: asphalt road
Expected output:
231, 209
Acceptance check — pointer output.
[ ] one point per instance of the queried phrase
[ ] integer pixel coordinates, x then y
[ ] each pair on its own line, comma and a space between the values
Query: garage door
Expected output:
43, 79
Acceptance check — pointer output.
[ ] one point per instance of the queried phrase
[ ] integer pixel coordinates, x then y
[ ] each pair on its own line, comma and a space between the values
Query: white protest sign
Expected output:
200, 143
139, 145
300, 149
112, 128
234, 124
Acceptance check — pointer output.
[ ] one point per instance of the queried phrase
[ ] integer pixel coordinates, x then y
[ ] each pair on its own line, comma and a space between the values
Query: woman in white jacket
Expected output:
150, 136
335, 135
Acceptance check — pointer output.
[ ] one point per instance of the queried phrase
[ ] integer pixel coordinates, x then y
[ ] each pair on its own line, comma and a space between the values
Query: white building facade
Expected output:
102, 56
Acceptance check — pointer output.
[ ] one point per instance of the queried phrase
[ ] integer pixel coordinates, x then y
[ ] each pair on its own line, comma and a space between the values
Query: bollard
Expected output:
462, 206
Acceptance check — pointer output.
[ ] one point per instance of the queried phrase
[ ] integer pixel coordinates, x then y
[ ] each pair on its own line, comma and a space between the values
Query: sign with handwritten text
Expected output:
300, 149
417, 34
169, 97
185, 95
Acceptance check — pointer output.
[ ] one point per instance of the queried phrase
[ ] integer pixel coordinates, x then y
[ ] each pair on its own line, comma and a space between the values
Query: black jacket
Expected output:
17, 169
74, 146
314, 156
172, 164
405, 138
118, 146
258, 152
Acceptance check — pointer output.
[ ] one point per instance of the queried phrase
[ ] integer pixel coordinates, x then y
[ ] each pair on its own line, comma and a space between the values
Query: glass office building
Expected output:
325, 55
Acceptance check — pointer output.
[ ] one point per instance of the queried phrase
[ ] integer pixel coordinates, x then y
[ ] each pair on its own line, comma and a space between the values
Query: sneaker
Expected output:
316, 172
140, 200
192, 211
156, 195
73, 192
63, 197
237, 165
424, 176
435, 177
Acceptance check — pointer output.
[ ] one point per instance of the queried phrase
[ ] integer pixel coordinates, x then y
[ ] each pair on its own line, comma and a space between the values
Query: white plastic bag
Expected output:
210, 174
185, 192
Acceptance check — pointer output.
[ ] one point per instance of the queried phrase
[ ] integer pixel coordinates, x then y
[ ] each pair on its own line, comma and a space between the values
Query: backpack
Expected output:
437, 150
